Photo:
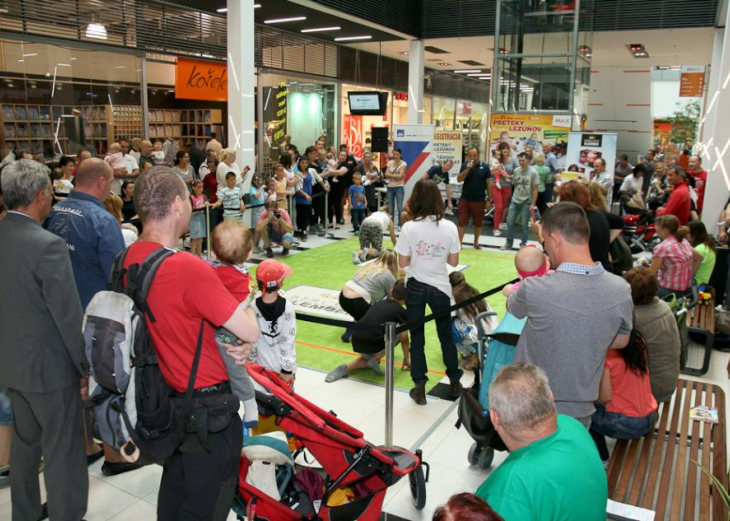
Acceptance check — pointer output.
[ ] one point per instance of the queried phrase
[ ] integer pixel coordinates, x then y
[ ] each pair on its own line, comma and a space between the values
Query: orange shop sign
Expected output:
692, 82
201, 80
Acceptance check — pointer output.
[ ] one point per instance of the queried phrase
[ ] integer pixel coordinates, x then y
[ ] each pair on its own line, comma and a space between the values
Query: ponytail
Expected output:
682, 233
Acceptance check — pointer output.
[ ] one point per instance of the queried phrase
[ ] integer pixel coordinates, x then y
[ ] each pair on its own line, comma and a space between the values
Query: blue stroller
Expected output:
495, 350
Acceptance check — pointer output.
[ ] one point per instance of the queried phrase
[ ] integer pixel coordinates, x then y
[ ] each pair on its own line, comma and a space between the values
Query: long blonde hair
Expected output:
388, 261
598, 197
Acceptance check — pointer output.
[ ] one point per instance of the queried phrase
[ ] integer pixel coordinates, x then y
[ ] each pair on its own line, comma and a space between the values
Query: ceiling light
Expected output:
64, 64
468, 70
283, 20
4, 11
349, 38
480, 74
642, 54
444, 64
28, 55
636, 47
321, 29
222, 10
73, 59
405, 53
120, 67
21, 61
97, 31
256, 6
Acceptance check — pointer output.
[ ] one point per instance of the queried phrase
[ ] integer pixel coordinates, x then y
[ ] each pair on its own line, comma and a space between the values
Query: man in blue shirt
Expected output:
476, 176
93, 238
439, 173
92, 234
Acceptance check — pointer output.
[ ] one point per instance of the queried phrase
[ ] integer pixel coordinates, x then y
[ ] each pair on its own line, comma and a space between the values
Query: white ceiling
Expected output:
665, 47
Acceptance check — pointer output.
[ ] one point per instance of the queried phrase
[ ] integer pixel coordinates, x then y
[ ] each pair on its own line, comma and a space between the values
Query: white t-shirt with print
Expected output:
428, 243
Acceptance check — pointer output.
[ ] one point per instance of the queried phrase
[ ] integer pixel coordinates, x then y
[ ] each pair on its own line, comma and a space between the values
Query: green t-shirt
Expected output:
708, 264
545, 176
559, 478
523, 183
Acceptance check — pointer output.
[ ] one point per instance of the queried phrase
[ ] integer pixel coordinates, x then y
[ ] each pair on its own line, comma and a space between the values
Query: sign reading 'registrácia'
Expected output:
201, 80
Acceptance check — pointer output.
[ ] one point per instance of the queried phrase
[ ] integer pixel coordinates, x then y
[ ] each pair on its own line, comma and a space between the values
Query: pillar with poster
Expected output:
416, 145
593, 157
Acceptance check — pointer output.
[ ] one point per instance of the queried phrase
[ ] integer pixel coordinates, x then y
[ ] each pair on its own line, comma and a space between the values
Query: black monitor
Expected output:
368, 103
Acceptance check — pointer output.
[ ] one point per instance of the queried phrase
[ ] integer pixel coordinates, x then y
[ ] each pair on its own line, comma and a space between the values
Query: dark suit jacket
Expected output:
41, 343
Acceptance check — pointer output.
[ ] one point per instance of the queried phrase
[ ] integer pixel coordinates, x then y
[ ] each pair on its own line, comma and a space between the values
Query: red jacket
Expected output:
679, 204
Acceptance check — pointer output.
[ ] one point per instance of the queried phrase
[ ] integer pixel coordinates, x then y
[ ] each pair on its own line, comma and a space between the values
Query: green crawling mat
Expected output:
320, 346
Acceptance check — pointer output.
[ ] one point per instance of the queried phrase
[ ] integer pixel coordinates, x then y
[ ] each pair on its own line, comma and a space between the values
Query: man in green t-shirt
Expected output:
525, 184
553, 472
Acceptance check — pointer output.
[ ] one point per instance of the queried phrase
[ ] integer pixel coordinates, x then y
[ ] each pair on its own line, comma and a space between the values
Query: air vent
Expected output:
471, 62
435, 50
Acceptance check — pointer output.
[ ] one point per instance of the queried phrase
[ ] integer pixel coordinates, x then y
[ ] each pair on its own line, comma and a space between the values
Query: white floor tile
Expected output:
106, 500
138, 482
139, 511
152, 496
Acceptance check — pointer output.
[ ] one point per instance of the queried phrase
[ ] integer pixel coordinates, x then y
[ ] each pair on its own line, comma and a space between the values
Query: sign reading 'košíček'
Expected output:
201, 80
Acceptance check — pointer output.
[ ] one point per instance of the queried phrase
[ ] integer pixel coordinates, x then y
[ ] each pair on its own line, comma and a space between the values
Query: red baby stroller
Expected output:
347, 459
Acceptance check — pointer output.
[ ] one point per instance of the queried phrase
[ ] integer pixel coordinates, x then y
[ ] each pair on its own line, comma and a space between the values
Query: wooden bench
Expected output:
700, 322
657, 472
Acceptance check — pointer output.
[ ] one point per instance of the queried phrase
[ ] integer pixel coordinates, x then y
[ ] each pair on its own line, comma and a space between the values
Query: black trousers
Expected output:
48, 425
198, 485
337, 192
304, 214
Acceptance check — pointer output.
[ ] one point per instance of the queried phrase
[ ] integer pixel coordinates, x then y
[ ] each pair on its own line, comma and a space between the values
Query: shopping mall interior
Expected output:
631, 84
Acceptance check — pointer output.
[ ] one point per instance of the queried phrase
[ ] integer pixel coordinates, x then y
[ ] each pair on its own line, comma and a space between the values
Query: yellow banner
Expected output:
525, 132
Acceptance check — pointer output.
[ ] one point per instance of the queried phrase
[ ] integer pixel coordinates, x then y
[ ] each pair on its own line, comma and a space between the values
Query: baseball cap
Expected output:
272, 273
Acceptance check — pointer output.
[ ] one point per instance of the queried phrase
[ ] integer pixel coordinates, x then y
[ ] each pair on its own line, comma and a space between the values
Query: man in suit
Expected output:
42, 352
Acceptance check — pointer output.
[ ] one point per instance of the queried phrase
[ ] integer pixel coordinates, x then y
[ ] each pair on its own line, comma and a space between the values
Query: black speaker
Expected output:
380, 139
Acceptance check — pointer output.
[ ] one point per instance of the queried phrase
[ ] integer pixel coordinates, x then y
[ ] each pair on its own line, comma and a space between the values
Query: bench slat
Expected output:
666, 470
680, 475
647, 442
615, 465
689, 506
719, 457
655, 463
623, 484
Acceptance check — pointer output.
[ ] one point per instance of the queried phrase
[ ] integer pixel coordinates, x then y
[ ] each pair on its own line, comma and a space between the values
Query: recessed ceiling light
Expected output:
405, 53
256, 6
64, 64
480, 74
283, 20
4, 11
349, 38
222, 10
444, 64
28, 55
73, 59
468, 71
21, 61
321, 29
120, 67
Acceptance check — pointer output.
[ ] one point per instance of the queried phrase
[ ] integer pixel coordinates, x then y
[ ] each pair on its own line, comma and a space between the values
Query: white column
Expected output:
241, 107
415, 82
715, 132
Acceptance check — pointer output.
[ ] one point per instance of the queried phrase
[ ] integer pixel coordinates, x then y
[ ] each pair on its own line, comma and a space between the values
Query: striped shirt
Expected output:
676, 270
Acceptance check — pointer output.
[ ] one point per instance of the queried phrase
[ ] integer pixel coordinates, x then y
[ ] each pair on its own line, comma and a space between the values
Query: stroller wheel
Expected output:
485, 458
418, 487
474, 453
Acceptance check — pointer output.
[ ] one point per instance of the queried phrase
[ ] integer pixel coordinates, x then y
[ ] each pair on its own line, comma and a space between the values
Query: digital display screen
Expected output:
364, 101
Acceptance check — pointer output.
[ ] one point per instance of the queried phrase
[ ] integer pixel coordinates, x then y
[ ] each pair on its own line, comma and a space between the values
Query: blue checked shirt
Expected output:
581, 269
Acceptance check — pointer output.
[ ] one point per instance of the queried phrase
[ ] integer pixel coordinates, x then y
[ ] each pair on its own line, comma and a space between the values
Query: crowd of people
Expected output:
598, 353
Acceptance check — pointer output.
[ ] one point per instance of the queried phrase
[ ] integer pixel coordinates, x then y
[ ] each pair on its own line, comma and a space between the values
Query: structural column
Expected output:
714, 147
415, 82
241, 89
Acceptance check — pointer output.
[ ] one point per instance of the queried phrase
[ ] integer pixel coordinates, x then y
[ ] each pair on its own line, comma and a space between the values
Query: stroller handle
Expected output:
480, 319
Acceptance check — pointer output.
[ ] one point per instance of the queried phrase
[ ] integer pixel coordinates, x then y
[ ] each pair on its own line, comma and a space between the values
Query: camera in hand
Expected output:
277, 215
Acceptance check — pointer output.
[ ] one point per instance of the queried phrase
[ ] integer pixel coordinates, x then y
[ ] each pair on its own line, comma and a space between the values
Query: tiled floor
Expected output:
133, 496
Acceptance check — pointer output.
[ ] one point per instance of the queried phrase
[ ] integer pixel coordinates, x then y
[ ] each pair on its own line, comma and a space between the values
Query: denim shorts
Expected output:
620, 426
6, 412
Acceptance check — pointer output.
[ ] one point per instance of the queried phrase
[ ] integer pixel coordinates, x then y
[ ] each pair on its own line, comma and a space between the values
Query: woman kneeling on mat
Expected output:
372, 230
370, 343
369, 285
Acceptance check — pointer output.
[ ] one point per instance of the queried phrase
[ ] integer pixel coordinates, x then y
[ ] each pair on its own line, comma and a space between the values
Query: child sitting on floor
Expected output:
274, 349
232, 245
370, 344
530, 261
463, 325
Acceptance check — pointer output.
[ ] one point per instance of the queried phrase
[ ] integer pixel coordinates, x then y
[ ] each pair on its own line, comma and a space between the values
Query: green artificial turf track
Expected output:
330, 266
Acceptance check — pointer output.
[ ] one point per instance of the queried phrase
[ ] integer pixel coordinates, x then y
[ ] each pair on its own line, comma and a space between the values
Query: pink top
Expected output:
198, 201
116, 161
676, 270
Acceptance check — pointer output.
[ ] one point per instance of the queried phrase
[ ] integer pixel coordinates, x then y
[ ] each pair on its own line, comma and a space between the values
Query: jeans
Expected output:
395, 197
618, 426
358, 215
524, 209
6, 411
418, 295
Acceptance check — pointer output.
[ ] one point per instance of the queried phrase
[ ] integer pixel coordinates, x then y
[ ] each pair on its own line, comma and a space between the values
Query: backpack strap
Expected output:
194, 372
116, 278
141, 276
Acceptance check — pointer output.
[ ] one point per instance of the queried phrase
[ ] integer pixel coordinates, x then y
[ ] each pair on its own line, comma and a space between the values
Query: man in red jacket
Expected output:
695, 170
679, 203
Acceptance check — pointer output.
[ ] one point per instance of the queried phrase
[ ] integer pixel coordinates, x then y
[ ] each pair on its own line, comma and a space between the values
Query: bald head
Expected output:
94, 177
529, 259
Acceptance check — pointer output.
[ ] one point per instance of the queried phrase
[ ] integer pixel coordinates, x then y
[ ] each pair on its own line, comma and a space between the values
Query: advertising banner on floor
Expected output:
447, 146
583, 150
416, 144
525, 132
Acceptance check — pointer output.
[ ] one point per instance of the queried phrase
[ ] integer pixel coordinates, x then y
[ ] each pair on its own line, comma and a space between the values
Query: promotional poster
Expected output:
583, 150
528, 132
416, 144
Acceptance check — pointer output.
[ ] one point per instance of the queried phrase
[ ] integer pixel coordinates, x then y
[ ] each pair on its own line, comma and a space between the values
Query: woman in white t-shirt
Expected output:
425, 246
228, 164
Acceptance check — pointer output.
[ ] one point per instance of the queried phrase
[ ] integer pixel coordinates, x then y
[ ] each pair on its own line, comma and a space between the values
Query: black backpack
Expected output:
132, 403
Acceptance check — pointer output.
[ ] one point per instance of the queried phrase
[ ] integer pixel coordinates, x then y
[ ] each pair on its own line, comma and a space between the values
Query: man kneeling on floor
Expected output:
275, 227
370, 343
553, 471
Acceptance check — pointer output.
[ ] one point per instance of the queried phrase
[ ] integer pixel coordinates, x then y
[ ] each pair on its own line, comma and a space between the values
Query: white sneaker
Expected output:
503, 226
497, 233
356, 258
